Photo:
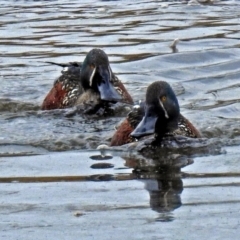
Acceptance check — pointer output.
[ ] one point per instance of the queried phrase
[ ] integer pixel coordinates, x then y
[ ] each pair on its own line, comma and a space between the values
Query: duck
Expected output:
159, 116
91, 82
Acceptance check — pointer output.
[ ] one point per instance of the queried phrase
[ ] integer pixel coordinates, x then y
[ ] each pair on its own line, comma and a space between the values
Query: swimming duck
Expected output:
90, 82
159, 115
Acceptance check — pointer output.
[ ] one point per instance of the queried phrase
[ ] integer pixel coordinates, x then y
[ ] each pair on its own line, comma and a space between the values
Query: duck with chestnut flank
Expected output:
159, 115
90, 82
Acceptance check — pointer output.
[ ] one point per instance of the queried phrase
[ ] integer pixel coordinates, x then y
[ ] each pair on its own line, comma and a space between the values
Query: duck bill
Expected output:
105, 87
146, 126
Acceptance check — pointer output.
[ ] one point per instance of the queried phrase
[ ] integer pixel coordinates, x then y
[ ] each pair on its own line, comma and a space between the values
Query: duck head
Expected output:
96, 74
161, 111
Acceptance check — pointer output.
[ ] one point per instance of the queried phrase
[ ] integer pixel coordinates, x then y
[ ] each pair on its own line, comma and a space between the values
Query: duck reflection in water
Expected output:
165, 194
163, 181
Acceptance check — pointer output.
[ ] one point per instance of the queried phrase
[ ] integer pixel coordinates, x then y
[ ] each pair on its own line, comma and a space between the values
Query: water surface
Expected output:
46, 157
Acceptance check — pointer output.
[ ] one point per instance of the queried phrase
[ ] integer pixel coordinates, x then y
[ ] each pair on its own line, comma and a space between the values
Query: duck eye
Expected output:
163, 98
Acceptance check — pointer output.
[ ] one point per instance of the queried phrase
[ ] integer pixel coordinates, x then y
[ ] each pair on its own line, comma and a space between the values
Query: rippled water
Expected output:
203, 70
136, 37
